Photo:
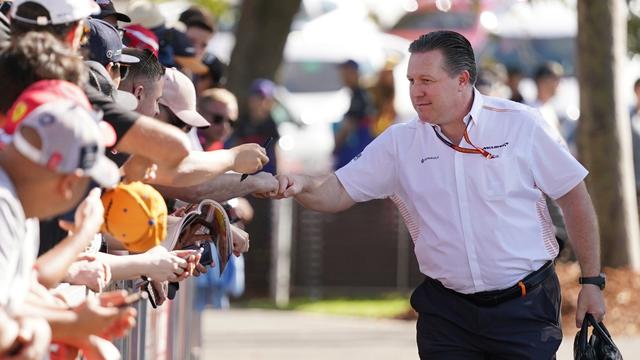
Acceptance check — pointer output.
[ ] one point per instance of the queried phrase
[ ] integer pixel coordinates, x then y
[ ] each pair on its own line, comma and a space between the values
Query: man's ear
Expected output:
138, 91
109, 66
67, 183
464, 78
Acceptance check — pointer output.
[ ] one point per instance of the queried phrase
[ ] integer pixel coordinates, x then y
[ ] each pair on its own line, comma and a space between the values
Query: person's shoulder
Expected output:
499, 108
501, 105
401, 129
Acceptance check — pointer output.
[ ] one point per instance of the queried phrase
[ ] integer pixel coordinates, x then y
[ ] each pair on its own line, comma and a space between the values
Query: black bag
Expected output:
600, 346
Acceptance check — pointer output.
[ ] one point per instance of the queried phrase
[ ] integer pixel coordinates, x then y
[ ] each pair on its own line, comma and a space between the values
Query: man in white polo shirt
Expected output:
469, 178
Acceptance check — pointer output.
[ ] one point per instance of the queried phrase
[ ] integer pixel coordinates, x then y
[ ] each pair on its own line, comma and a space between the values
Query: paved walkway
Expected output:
285, 335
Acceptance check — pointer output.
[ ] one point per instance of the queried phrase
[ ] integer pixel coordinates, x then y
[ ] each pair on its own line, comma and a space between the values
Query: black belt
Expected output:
495, 297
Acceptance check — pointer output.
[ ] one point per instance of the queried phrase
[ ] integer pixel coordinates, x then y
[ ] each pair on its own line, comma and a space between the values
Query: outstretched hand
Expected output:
248, 158
288, 186
88, 216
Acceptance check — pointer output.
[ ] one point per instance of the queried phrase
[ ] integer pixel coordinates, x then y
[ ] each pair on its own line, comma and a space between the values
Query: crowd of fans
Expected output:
112, 124
103, 131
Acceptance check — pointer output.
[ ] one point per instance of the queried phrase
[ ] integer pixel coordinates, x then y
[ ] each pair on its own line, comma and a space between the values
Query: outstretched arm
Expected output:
222, 188
320, 193
199, 166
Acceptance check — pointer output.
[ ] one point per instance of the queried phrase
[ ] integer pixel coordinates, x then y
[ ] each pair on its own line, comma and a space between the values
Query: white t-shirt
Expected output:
19, 241
477, 224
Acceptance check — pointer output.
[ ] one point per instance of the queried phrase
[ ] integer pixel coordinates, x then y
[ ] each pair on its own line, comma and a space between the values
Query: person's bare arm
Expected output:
53, 265
163, 144
320, 193
222, 188
100, 316
200, 166
582, 227
157, 263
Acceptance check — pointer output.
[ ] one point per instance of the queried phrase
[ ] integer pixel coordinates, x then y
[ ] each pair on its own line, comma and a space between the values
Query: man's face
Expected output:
260, 106
433, 92
111, 19
218, 116
552, 83
349, 76
199, 39
69, 189
148, 98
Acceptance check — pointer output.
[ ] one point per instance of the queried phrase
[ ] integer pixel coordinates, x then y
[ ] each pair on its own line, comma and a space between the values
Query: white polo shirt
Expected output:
477, 224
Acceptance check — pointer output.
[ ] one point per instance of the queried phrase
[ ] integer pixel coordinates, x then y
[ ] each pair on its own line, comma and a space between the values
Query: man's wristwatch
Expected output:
599, 280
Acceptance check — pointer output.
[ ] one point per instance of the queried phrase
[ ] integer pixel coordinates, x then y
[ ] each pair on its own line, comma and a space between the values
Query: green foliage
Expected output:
386, 306
216, 7
633, 34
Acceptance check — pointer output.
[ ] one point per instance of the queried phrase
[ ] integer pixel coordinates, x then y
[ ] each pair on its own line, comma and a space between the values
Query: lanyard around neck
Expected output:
475, 150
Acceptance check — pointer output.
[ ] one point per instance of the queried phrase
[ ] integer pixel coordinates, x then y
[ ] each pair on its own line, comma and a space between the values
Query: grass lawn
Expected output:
386, 306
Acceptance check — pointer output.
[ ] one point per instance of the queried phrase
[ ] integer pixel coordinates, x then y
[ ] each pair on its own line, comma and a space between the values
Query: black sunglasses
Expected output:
124, 71
218, 119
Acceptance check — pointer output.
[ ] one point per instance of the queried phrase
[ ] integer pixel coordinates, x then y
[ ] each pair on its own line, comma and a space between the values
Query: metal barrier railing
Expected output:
171, 331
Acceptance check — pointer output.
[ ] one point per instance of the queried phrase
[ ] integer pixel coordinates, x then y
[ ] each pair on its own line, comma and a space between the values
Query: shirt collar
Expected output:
474, 113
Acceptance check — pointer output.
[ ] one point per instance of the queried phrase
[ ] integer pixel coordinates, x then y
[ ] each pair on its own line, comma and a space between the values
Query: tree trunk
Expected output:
260, 38
603, 133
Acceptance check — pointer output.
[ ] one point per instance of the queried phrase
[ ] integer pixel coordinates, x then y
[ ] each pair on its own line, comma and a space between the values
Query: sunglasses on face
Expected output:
218, 119
124, 71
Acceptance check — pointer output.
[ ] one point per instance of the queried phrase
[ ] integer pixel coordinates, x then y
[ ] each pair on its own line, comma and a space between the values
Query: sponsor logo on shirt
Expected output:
496, 146
422, 161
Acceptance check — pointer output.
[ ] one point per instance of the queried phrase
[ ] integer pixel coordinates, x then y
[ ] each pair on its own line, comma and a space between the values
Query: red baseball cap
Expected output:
39, 93
138, 36
45, 91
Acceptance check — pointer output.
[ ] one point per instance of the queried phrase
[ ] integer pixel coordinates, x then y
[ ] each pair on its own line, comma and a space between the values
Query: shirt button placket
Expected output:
465, 220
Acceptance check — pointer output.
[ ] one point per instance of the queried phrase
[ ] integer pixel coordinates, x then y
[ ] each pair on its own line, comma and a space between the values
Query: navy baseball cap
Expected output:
105, 45
107, 9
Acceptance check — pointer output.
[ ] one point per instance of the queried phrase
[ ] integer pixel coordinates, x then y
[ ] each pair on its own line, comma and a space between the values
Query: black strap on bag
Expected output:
599, 346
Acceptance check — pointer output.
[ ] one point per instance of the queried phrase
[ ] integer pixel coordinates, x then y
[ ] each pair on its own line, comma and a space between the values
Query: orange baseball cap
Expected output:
136, 215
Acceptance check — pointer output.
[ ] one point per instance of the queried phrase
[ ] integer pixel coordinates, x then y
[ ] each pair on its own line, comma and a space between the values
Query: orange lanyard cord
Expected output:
475, 150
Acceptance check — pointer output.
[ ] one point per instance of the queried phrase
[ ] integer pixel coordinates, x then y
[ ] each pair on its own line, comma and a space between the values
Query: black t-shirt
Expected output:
121, 120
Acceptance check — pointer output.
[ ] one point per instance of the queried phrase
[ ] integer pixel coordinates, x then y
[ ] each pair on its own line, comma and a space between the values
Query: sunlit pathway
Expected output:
285, 335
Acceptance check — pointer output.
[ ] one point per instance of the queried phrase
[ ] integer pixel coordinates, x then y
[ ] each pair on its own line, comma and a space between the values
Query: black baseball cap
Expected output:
107, 9
184, 53
105, 45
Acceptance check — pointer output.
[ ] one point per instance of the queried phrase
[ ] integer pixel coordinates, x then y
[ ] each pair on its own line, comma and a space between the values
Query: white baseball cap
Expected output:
71, 140
60, 11
179, 95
